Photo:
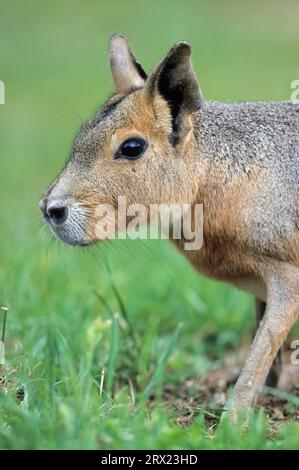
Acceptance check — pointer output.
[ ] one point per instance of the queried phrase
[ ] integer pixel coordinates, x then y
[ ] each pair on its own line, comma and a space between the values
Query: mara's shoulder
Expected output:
245, 106
254, 112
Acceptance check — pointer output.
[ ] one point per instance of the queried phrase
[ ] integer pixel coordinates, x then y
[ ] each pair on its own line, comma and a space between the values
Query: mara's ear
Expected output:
175, 81
127, 73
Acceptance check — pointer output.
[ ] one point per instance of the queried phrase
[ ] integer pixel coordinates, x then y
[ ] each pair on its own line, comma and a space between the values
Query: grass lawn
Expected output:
92, 335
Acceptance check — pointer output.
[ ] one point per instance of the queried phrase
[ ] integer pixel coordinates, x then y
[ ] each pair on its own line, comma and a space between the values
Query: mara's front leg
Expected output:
280, 314
276, 367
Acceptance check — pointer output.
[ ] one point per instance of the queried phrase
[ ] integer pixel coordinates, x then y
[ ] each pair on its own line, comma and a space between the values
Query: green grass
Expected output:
135, 312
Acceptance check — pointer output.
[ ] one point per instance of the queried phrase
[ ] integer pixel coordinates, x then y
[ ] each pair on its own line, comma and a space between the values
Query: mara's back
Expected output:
251, 133
252, 184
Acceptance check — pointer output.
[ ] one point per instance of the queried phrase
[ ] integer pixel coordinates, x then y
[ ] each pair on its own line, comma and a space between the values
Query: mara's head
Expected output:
138, 145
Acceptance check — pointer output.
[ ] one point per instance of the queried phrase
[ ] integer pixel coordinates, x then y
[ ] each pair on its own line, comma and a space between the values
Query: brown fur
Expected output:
239, 161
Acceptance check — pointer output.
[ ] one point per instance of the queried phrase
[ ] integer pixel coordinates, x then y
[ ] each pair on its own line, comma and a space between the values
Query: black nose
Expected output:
58, 213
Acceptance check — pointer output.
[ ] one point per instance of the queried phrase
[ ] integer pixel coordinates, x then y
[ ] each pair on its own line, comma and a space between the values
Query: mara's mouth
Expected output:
70, 235
68, 222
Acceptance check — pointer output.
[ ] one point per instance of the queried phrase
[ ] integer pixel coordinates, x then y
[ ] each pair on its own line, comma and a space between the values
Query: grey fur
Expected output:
241, 160
249, 137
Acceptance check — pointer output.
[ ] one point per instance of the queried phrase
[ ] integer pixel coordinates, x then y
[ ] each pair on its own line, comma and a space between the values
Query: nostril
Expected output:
58, 214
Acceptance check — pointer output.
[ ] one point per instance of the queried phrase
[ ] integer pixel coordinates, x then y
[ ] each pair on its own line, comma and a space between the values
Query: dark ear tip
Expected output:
182, 45
180, 48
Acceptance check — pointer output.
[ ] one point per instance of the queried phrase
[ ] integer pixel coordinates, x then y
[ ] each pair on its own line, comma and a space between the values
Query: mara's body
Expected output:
157, 141
247, 169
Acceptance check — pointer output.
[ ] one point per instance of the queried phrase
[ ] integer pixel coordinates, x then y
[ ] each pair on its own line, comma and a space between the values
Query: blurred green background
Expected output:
54, 63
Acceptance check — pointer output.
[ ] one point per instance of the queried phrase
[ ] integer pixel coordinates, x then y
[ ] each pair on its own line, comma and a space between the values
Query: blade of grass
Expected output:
132, 352
134, 337
145, 352
114, 343
158, 374
119, 299
5, 309
2, 344
103, 301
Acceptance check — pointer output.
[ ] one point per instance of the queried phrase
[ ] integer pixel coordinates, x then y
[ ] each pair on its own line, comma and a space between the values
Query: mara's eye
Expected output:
132, 148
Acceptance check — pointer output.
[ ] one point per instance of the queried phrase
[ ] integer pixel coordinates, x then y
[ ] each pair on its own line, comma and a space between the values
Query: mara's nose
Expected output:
58, 213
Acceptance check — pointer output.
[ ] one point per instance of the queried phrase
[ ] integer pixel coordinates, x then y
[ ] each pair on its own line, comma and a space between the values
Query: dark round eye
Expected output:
132, 148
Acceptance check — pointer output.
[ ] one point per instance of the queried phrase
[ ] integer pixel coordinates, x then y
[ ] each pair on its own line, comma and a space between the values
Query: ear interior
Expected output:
175, 81
127, 73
